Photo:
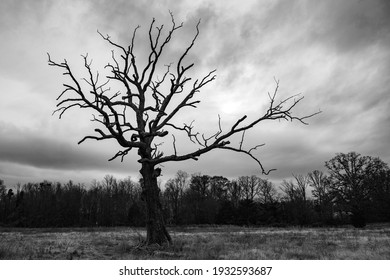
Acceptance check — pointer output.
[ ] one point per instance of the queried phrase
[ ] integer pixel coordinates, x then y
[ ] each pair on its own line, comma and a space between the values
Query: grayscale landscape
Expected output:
195, 130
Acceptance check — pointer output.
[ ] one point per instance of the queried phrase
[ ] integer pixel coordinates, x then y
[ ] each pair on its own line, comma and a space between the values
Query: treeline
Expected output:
110, 202
356, 189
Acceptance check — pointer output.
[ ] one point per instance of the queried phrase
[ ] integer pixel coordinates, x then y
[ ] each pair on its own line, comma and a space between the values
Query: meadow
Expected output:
209, 242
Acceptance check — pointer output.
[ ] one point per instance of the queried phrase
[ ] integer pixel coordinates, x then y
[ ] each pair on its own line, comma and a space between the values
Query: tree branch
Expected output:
275, 111
152, 109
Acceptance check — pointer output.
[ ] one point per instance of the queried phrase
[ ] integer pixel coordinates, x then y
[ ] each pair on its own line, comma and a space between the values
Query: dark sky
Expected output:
336, 53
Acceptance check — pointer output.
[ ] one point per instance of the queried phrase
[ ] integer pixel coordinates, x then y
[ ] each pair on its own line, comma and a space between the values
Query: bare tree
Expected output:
302, 184
295, 198
322, 193
174, 189
234, 192
295, 192
289, 190
320, 184
3, 195
144, 111
267, 191
250, 186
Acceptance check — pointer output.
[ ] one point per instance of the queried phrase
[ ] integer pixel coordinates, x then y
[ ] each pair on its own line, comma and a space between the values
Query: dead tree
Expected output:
143, 112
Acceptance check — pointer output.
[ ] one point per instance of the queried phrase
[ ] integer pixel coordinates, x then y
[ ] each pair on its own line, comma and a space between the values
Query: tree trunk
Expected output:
156, 231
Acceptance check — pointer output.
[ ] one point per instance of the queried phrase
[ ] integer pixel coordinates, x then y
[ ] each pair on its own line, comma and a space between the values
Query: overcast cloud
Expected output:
336, 53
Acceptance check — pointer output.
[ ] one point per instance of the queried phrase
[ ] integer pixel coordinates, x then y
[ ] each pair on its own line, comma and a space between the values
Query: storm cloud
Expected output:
336, 53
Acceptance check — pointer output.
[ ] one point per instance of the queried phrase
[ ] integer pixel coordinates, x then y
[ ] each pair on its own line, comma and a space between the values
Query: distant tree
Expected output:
302, 184
218, 188
320, 184
267, 191
296, 200
321, 192
2, 186
290, 190
69, 204
380, 197
136, 107
234, 192
250, 187
109, 182
125, 194
174, 190
3, 195
295, 191
268, 203
353, 179
132, 188
197, 197
20, 207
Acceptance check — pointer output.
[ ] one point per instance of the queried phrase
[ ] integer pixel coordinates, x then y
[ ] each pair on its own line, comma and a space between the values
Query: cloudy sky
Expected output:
336, 53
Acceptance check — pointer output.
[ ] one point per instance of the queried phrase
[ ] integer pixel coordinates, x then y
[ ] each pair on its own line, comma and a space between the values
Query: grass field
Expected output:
226, 242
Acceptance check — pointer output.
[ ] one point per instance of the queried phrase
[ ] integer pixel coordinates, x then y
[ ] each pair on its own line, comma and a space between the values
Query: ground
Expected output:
211, 242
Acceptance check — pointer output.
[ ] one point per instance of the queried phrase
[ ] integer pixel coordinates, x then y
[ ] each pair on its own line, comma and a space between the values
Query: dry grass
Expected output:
199, 243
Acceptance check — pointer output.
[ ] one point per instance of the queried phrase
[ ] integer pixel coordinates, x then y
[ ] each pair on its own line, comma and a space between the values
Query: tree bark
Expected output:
156, 231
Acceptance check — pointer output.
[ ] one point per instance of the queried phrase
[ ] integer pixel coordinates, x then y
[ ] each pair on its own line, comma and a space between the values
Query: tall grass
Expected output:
198, 243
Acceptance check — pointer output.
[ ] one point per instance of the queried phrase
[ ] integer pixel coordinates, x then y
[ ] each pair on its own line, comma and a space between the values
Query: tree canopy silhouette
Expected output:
354, 178
147, 107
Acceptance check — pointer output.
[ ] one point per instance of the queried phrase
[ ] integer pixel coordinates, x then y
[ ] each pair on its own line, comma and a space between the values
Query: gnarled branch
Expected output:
139, 113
